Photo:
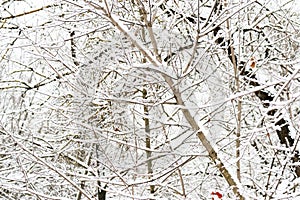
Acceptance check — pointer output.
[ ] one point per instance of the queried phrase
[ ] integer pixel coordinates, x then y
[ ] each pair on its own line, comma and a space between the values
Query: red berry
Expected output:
219, 195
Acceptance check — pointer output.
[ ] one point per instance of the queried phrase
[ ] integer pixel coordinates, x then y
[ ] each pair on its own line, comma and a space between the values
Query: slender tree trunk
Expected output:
82, 184
148, 141
239, 104
101, 194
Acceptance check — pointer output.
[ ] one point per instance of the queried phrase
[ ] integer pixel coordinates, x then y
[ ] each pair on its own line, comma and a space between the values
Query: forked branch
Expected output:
178, 96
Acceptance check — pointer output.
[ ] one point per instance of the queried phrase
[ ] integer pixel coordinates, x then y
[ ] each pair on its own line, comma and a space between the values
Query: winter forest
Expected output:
149, 99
